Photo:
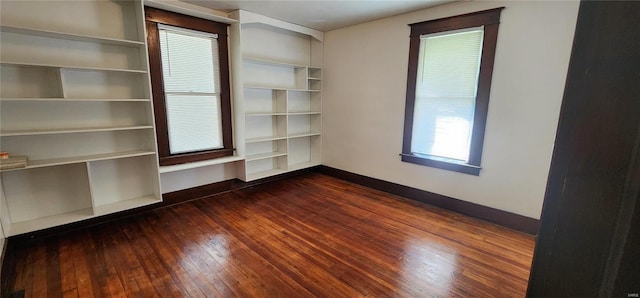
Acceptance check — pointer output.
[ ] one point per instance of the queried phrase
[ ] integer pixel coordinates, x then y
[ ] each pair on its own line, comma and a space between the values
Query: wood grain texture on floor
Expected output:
311, 235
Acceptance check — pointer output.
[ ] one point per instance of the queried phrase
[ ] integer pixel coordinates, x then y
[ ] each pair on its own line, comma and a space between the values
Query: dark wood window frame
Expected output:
490, 19
153, 18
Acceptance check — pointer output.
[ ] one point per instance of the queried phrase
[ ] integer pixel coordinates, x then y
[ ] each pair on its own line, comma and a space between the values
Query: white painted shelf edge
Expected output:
304, 113
265, 114
125, 205
264, 139
302, 135
29, 132
264, 155
265, 174
199, 164
70, 36
274, 63
279, 88
32, 164
22, 227
73, 99
78, 215
291, 113
70, 67
190, 9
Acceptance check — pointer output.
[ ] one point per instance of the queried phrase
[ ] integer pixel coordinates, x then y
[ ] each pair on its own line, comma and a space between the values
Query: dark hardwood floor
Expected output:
311, 235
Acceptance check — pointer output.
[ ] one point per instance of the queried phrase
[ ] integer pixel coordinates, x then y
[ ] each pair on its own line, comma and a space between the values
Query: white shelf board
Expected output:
191, 10
30, 132
247, 17
72, 99
32, 164
125, 205
199, 164
26, 64
264, 155
264, 174
303, 165
266, 114
293, 113
303, 135
273, 62
70, 36
314, 78
263, 139
279, 88
49, 221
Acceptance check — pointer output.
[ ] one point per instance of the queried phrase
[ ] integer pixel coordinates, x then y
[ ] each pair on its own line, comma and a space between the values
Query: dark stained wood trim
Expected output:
503, 218
441, 164
590, 224
412, 76
484, 90
157, 90
180, 20
194, 156
225, 93
153, 17
490, 19
474, 19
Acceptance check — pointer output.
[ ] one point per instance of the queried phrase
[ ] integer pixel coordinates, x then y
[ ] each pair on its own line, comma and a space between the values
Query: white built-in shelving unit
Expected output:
75, 99
278, 95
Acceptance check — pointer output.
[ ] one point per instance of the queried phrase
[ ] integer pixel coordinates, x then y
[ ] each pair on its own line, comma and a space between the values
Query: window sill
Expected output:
195, 156
441, 163
199, 164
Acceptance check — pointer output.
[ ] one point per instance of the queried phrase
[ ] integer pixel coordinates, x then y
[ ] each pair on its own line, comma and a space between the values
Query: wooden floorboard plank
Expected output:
54, 281
309, 235
182, 270
202, 273
279, 233
238, 261
288, 263
67, 271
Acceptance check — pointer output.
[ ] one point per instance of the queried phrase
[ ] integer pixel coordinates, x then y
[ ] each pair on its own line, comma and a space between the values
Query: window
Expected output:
189, 67
448, 84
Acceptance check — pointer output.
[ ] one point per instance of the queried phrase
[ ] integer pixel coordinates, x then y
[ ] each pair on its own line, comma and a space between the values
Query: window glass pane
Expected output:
189, 62
447, 79
194, 123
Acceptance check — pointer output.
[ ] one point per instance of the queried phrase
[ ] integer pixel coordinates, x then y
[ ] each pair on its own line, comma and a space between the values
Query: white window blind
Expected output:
447, 80
192, 89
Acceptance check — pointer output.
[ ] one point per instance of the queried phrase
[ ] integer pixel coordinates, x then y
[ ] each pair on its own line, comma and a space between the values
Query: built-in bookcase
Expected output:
278, 88
75, 99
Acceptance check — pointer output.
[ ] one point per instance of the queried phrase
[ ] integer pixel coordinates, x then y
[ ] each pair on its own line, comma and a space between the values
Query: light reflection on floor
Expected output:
428, 262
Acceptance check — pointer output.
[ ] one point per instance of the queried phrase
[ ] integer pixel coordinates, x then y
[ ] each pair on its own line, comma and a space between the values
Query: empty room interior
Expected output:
430, 148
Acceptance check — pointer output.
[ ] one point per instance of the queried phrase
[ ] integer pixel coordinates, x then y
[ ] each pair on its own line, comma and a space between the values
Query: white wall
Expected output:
184, 179
365, 72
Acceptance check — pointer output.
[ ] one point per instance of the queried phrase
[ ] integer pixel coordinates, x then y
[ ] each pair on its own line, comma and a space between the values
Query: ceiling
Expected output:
322, 15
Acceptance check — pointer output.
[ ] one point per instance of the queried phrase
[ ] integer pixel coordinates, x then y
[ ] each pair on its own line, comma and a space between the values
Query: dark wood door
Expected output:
588, 242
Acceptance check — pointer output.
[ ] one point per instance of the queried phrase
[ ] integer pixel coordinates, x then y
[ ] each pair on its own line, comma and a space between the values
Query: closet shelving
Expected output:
278, 95
75, 99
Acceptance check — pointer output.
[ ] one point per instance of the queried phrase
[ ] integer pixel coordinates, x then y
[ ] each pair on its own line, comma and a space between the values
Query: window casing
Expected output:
188, 61
448, 86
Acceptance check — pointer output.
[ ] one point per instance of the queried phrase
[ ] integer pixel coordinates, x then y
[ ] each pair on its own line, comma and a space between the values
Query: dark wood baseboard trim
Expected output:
500, 217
